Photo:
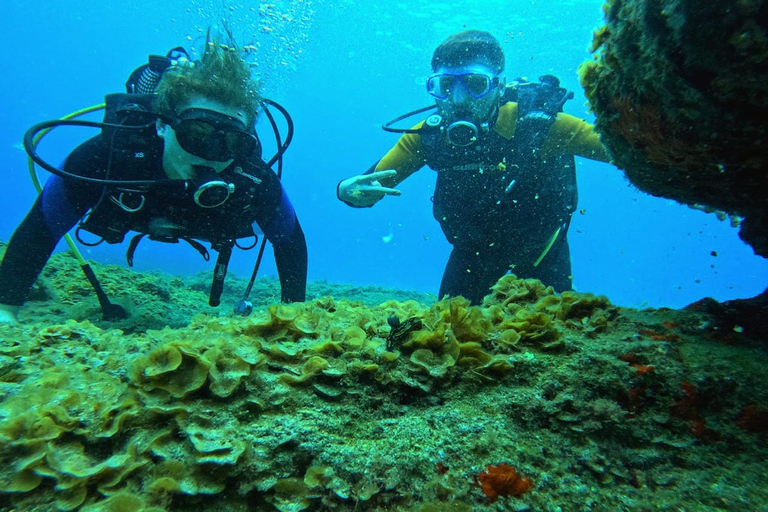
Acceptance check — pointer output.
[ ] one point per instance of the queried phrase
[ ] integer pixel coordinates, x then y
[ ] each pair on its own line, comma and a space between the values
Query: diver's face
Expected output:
466, 93
181, 164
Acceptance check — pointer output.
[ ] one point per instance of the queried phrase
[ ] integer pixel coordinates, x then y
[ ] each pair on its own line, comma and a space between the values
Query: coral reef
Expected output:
678, 87
156, 300
534, 400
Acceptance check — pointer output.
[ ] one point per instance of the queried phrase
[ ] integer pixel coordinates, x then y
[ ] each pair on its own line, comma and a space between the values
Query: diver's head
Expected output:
467, 83
207, 111
204, 134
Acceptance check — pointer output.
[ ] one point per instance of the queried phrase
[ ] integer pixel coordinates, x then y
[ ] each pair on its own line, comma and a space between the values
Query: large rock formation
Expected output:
679, 89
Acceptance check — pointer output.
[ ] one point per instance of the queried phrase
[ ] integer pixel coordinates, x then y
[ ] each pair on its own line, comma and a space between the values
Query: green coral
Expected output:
302, 407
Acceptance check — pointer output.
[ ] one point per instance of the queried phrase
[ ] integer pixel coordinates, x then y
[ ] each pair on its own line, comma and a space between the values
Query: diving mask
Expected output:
212, 135
477, 85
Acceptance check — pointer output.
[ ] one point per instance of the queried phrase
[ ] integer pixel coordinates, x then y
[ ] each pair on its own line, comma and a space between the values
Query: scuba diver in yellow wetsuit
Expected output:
504, 156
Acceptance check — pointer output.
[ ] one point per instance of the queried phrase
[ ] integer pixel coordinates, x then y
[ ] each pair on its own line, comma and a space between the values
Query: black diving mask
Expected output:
212, 135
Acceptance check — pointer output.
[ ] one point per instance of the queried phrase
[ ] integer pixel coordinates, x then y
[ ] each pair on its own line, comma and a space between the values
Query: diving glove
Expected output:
365, 190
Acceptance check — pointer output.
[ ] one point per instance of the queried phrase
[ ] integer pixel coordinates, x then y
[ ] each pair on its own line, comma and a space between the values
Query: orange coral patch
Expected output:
643, 369
634, 362
659, 337
630, 357
753, 419
503, 480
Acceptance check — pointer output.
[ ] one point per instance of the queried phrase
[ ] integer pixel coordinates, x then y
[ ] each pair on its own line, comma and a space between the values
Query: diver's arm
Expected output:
574, 136
27, 252
291, 260
280, 225
366, 189
62, 203
31, 245
57, 209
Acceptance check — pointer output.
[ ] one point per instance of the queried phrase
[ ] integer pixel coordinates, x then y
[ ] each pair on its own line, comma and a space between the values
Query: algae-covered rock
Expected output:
308, 407
678, 87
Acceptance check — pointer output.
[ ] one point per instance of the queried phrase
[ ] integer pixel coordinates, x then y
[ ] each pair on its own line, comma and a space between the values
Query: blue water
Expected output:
342, 68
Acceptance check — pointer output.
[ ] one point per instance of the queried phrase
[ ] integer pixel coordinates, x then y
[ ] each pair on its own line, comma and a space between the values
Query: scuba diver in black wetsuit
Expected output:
504, 156
180, 163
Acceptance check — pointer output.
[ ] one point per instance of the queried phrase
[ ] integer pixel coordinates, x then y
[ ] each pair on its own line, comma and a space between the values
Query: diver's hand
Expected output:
365, 189
8, 314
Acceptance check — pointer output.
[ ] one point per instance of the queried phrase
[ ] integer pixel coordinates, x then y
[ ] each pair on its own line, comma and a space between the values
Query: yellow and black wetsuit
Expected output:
501, 203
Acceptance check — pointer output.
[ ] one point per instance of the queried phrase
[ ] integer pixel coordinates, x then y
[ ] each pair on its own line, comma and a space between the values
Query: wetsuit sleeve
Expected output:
59, 207
574, 136
280, 224
405, 157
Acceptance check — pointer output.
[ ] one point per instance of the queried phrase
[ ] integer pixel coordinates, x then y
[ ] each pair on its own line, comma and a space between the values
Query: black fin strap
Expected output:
132, 247
198, 247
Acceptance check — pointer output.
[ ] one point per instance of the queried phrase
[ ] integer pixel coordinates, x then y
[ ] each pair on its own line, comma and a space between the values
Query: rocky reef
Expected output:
533, 401
678, 87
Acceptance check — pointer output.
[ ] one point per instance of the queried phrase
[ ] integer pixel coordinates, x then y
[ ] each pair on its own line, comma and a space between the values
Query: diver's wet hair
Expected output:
221, 75
469, 47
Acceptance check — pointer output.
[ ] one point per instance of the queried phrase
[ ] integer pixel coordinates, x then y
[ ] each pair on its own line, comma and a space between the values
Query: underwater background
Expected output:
342, 69
373, 395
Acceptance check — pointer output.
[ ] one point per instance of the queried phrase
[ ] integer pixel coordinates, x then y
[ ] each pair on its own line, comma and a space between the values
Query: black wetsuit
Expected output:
258, 198
499, 205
